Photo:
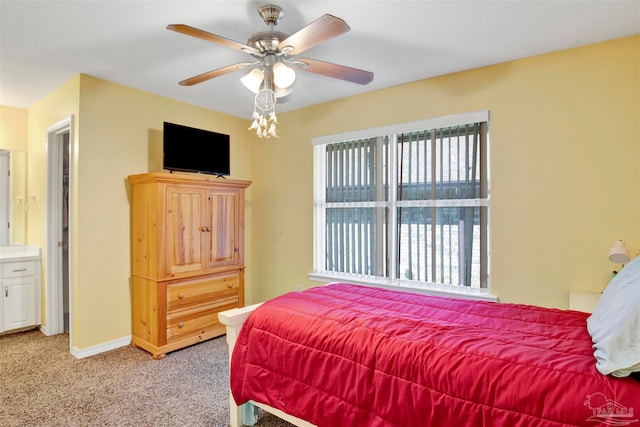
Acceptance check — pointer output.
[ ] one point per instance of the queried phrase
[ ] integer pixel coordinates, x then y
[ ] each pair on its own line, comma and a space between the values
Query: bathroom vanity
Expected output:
20, 282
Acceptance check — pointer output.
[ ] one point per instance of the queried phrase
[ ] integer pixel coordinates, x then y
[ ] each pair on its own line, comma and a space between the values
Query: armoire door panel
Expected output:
223, 241
185, 230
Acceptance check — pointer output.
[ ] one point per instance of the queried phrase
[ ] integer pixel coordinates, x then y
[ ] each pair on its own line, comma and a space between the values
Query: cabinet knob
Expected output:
181, 325
230, 285
181, 296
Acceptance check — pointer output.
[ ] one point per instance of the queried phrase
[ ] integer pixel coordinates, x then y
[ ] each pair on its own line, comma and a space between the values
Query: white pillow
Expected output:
614, 325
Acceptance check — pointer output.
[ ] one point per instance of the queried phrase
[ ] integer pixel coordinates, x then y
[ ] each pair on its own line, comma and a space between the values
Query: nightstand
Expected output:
583, 300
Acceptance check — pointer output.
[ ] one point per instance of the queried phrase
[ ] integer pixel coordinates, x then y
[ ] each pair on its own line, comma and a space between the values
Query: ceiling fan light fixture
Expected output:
253, 79
283, 76
272, 75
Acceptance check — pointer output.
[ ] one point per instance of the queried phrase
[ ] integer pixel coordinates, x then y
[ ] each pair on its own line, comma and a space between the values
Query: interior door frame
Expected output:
5, 198
54, 308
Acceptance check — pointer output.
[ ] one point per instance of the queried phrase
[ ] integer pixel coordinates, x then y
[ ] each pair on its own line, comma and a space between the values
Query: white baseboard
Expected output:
96, 349
44, 330
101, 348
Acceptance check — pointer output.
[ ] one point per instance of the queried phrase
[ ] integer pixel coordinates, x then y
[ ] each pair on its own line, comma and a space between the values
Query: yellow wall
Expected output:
116, 135
115, 130
13, 136
50, 110
564, 154
13, 128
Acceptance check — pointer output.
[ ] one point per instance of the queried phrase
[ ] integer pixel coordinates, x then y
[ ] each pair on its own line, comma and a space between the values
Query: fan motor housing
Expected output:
267, 41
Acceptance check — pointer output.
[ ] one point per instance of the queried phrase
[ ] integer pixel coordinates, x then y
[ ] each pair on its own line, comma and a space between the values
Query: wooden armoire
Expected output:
187, 257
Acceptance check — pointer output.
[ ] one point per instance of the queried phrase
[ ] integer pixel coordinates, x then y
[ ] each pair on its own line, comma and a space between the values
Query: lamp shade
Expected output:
619, 253
253, 79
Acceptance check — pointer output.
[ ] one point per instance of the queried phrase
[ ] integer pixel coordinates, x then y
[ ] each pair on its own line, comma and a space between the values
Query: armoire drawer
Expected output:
200, 320
191, 293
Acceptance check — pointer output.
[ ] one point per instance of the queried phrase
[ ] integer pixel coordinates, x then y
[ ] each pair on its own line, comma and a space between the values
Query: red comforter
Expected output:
347, 355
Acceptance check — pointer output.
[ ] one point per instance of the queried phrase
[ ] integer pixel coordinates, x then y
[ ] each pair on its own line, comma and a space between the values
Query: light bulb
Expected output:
283, 76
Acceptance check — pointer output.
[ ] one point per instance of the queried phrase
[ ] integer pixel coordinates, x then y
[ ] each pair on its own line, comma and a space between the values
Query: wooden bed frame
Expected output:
234, 319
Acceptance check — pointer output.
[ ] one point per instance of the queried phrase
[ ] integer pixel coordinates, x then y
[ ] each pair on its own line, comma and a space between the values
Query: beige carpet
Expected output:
42, 384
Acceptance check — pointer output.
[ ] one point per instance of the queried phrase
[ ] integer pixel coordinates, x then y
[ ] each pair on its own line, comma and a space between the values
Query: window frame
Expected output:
319, 143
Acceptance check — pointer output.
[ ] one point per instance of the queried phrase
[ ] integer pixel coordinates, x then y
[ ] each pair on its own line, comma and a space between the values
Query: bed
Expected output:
349, 355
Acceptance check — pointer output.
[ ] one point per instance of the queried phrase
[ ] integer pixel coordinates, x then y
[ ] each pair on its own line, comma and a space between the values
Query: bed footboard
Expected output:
234, 319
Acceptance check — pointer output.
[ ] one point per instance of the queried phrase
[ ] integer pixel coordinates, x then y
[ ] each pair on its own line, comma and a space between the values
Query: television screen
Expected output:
189, 149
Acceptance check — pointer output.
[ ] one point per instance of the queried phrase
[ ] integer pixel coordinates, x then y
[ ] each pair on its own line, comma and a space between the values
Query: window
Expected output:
406, 205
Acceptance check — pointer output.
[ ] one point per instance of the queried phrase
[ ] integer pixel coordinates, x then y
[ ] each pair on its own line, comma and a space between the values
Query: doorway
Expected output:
58, 277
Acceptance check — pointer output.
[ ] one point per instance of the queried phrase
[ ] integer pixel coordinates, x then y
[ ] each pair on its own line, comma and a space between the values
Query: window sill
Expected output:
407, 286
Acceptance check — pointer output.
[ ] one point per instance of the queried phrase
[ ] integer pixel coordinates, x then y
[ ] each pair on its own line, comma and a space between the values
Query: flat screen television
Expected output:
188, 149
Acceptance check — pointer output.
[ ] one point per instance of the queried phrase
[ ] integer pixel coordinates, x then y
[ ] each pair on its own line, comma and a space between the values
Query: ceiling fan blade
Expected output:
194, 32
320, 30
336, 71
212, 74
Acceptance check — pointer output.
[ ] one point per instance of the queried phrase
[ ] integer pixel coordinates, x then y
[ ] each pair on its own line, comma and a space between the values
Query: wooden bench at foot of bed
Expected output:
234, 319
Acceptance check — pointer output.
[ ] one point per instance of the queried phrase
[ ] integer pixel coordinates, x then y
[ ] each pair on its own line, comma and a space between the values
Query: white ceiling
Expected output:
43, 44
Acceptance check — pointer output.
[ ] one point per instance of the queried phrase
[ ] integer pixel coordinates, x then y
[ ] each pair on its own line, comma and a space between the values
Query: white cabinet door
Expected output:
19, 308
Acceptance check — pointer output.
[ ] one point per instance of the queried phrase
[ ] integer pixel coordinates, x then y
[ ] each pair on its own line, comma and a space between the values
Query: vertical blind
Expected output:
440, 214
409, 206
355, 221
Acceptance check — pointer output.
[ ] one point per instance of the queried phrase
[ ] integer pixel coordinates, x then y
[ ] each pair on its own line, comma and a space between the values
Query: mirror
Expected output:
13, 197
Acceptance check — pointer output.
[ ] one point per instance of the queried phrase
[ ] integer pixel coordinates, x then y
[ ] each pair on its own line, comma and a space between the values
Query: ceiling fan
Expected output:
274, 46
272, 72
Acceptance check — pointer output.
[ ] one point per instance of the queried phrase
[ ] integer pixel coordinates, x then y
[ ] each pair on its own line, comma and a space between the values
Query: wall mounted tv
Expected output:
188, 149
